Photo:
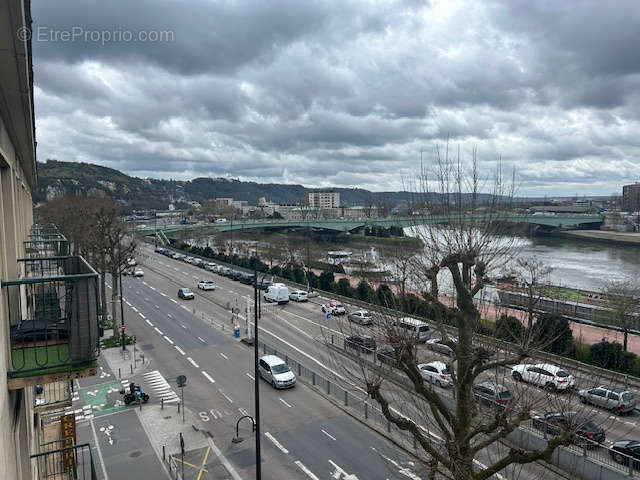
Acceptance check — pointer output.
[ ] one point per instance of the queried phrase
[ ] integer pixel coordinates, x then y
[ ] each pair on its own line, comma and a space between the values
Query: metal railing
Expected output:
53, 316
65, 463
52, 395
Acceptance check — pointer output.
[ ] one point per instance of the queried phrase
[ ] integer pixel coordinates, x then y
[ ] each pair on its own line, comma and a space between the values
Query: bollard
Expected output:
143, 358
332, 339
299, 370
119, 373
388, 426
194, 310
164, 457
366, 410
161, 403
328, 387
313, 378
346, 398
131, 368
178, 407
286, 359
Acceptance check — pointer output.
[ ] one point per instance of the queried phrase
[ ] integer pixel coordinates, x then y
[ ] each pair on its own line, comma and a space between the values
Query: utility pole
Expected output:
256, 373
122, 309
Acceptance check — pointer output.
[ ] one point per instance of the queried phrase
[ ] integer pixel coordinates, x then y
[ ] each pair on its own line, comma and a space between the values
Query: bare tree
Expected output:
622, 299
533, 276
452, 434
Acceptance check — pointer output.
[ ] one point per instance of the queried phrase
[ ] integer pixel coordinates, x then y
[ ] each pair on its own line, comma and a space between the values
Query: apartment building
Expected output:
48, 299
631, 197
324, 200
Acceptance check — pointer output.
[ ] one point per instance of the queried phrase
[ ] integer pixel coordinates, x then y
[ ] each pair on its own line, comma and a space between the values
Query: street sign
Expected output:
328, 316
181, 380
123, 328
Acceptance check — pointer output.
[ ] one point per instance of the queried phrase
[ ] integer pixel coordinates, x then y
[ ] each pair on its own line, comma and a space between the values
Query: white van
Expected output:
410, 326
278, 292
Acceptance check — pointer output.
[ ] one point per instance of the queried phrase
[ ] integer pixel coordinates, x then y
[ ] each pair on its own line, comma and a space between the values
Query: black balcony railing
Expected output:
54, 395
46, 241
72, 463
53, 317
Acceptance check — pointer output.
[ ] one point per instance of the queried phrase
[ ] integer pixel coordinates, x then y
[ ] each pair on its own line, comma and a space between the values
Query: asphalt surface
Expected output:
304, 436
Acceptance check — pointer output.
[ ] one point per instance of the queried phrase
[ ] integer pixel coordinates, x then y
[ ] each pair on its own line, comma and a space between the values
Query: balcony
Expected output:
46, 241
52, 396
53, 321
58, 462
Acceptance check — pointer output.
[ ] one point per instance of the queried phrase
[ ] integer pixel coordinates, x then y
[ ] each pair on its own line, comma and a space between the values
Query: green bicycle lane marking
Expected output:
103, 398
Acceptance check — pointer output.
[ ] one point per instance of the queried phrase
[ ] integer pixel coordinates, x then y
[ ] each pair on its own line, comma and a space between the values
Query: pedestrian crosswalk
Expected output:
160, 387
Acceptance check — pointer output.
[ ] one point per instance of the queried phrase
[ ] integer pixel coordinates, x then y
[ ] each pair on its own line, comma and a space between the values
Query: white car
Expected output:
275, 371
544, 375
206, 285
138, 272
298, 296
131, 262
189, 260
436, 373
334, 308
437, 345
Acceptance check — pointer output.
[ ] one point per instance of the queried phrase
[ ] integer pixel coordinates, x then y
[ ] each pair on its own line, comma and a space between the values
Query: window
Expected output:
598, 392
429, 368
562, 373
627, 396
614, 396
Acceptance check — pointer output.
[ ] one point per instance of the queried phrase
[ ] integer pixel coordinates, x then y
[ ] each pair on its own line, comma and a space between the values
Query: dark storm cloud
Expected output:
346, 93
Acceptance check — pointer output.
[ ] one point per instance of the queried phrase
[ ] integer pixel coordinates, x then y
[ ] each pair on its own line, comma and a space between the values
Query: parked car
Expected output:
437, 373
138, 272
246, 279
224, 271
210, 266
159, 250
206, 285
360, 343
188, 259
544, 375
176, 256
334, 308
493, 394
618, 400
387, 355
131, 262
264, 285
624, 450
411, 327
298, 296
186, 294
278, 292
585, 428
275, 371
235, 275
362, 317
437, 345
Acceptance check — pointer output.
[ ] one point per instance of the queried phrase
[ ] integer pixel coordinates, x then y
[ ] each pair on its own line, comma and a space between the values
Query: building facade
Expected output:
324, 200
631, 197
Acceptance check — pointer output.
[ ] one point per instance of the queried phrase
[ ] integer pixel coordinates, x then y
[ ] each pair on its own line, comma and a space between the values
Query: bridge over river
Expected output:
548, 222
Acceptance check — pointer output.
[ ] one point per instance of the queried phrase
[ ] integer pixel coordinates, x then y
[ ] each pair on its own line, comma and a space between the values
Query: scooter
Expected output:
135, 393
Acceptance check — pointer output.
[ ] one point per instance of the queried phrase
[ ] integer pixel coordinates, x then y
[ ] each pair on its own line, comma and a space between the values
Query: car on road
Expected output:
618, 400
624, 450
189, 260
206, 285
235, 275
334, 308
438, 345
589, 433
544, 375
275, 371
224, 271
246, 278
159, 250
492, 394
138, 272
277, 293
264, 284
210, 266
186, 294
298, 296
363, 317
360, 343
131, 262
387, 355
412, 328
436, 373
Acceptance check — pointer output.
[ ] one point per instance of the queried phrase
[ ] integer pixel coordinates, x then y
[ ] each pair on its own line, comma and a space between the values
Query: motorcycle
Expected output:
135, 393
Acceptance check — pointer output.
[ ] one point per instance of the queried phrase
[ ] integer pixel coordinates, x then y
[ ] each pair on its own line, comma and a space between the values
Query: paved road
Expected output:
167, 327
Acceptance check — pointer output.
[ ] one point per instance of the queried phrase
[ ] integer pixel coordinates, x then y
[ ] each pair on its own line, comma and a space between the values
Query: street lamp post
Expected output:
122, 310
256, 373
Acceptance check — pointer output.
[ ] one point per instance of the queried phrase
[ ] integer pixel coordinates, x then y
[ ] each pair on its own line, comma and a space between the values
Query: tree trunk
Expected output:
114, 304
626, 335
103, 289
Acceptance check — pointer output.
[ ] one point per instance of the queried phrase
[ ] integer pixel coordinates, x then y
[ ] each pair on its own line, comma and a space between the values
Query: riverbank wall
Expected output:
601, 236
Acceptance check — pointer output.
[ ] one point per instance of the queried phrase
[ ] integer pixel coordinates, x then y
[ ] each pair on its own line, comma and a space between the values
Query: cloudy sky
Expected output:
344, 93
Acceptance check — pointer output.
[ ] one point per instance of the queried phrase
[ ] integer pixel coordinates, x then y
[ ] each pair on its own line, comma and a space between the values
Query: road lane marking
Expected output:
163, 294
185, 307
225, 396
169, 315
201, 339
276, 443
224, 356
180, 350
243, 411
250, 376
183, 326
208, 377
150, 324
158, 330
157, 306
193, 363
328, 435
174, 300
152, 288
308, 472
283, 401
168, 340
196, 278
141, 315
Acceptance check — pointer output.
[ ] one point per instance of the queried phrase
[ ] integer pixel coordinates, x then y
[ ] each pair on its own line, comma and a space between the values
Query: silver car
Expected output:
617, 400
437, 345
361, 316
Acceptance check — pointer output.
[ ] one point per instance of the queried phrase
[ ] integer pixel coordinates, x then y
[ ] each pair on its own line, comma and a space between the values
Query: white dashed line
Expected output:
283, 401
152, 288
208, 377
330, 436
225, 396
174, 300
168, 340
250, 376
180, 350
308, 472
158, 330
196, 278
277, 443
141, 315
192, 362
185, 307
224, 356
201, 339
169, 315
157, 306
183, 326
163, 294
150, 324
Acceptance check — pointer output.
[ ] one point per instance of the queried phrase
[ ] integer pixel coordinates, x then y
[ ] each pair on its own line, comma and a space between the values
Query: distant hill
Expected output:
57, 179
